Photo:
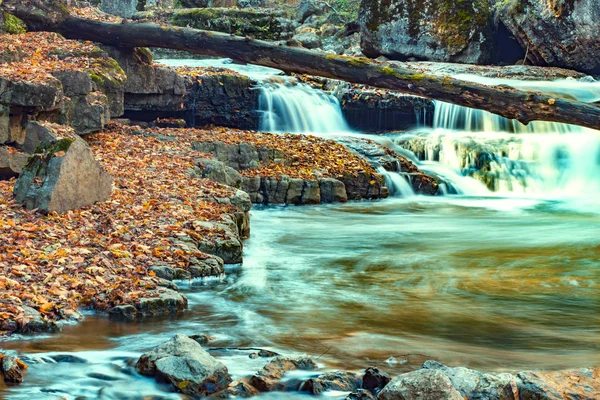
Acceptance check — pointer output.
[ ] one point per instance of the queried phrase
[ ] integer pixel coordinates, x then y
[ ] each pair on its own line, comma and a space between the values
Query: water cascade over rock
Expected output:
507, 156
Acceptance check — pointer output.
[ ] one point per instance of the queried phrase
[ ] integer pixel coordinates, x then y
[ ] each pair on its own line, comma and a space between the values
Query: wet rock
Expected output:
436, 30
581, 384
170, 273
240, 388
182, 362
475, 385
63, 176
360, 394
267, 353
167, 284
224, 241
311, 193
268, 379
36, 323
165, 302
202, 339
308, 40
422, 384
332, 191
555, 33
11, 370
341, 381
374, 379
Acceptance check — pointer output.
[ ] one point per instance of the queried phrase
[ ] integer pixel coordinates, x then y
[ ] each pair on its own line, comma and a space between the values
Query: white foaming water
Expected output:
396, 183
540, 159
297, 108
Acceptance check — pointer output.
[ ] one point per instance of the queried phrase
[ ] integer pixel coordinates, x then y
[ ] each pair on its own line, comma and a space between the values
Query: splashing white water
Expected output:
298, 108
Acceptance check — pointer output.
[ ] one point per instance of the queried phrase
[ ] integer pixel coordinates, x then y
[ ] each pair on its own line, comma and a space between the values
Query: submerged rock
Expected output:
341, 381
182, 362
11, 368
360, 394
62, 175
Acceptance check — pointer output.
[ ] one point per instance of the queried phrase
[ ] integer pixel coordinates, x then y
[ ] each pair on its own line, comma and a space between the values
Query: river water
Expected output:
490, 278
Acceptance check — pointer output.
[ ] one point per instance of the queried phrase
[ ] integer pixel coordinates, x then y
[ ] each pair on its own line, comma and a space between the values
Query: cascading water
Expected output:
297, 108
508, 157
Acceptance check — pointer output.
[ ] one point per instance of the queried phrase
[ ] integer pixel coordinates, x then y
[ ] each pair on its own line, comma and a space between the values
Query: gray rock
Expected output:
423, 384
274, 190
308, 40
581, 384
341, 381
11, 371
91, 112
555, 33
308, 8
435, 30
11, 162
242, 201
170, 273
166, 302
35, 135
332, 191
224, 241
374, 379
74, 83
64, 176
268, 379
475, 385
294, 194
186, 365
251, 185
311, 193
122, 8
219, 172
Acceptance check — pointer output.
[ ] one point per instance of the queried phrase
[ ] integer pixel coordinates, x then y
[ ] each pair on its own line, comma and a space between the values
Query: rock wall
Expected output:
200, 97
280, 189
436, 30
561, 33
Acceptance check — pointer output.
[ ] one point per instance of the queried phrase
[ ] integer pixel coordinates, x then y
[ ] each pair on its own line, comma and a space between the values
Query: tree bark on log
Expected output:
525, 106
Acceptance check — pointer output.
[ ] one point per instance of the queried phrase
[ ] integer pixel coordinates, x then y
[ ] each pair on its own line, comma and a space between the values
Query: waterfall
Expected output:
297, 108
396, 183
507, 156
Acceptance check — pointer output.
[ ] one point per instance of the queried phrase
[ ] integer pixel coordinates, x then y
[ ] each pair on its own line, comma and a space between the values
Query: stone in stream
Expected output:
62, 175
222, 240
374, 379
583, 384
339, 380
473, 384
423, 384
11, 368
360, 394
182, 362
269, 378
165, 302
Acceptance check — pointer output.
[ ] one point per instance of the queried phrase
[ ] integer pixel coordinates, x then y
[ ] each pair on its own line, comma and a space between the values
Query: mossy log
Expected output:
525, 106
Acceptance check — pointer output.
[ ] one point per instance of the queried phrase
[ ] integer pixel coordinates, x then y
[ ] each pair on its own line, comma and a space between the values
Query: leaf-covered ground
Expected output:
32, 57
99, 256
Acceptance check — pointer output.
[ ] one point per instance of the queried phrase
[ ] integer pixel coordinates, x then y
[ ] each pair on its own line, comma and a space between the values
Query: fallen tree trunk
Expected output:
508, 102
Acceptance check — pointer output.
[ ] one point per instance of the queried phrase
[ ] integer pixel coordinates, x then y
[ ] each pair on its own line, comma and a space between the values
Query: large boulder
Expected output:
62, 175
555, 32
436, 30
182, 362
423, 384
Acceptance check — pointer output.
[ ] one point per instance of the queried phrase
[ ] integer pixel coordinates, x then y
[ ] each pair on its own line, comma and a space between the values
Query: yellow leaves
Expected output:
45, 308
183, 384
551, 101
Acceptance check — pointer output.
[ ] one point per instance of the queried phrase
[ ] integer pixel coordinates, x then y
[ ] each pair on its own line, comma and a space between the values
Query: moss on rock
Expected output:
13, 25
241, 22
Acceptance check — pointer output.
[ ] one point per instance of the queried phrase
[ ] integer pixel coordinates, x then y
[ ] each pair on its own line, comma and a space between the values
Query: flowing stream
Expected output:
499, 277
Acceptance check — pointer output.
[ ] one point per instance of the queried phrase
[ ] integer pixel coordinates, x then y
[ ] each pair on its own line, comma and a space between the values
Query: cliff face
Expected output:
436, 30
560, 33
